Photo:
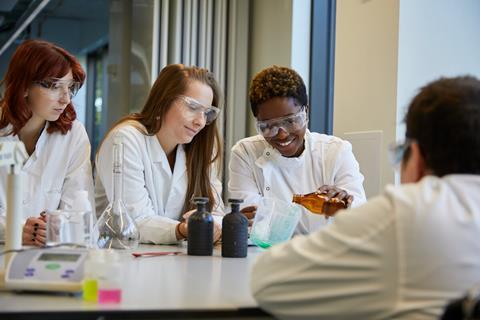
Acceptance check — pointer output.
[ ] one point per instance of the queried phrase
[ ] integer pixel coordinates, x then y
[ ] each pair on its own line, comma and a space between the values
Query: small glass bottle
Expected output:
200, 230
234, 232
82, 205
115, 228
319, 203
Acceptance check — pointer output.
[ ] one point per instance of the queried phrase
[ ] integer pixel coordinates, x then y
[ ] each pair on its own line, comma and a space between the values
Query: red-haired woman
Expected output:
37, 109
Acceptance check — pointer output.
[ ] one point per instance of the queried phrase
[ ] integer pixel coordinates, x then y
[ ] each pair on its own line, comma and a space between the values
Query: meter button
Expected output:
69, 271
53, 266
65, 276
29, 272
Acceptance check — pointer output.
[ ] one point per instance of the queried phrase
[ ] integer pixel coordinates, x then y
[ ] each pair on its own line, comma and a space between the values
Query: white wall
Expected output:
280, 35
366, 74
386, 51
436, 38
270, 35
300, 33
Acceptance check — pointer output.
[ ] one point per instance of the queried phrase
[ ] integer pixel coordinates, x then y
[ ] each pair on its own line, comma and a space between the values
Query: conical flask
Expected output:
115, 228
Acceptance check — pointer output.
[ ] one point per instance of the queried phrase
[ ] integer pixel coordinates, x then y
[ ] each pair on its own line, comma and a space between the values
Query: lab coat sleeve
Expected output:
152, 227
344, 271
347, 174
242, 183
79, 170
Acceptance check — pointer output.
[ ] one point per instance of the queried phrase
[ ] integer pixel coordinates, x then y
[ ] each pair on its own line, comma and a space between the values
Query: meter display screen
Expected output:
59, 257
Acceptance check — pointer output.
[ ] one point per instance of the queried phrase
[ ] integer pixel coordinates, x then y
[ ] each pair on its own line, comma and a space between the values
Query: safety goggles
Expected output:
290, 124
396, 152
57, 88
193, 108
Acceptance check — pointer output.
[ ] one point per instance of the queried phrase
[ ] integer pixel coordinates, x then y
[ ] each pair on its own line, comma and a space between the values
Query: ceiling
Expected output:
14, 12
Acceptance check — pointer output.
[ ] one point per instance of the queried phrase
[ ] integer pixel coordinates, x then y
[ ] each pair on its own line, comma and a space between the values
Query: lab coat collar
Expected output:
41, 140
271, 155
180, 163
158, 155
29, 164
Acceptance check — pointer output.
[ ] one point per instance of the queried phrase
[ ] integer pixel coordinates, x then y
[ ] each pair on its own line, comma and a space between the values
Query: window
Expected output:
322, 65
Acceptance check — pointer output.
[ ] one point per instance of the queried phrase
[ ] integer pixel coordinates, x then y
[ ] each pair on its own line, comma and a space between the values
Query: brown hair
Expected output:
36, 60
205, 149
444, 119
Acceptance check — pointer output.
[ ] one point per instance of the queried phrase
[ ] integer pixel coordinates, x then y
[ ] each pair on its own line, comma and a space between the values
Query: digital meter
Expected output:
55, 270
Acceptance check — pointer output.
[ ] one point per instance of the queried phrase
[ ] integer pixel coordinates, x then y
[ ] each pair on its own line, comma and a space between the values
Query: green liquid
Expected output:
261, 244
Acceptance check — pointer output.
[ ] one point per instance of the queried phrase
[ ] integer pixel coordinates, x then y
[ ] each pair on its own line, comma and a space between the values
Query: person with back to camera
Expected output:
286, 158
406, 252
37, 109
172, 153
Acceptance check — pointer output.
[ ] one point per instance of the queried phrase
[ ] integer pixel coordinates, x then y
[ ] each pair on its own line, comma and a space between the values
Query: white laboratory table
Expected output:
162, 287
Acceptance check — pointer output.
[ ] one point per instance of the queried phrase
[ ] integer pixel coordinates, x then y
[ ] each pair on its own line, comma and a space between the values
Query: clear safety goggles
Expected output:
290, 124
193, 108
57, 88
396, 152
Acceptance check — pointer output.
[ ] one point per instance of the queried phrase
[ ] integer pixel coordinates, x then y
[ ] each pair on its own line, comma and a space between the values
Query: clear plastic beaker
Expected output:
275, 222
68, 227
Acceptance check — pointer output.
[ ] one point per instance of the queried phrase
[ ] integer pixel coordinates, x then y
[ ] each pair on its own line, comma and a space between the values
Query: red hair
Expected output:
36, 60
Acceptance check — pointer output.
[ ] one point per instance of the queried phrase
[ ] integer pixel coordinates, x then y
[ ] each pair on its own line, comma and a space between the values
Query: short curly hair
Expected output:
274, 82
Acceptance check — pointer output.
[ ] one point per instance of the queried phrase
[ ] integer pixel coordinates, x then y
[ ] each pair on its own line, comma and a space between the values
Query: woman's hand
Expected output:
181, 231
338, 199
335, 192
249, 212
182, 228
217, 232
34, 232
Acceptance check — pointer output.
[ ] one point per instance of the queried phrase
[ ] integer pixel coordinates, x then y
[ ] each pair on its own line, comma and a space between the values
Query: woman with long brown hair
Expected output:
172, 152
37, 109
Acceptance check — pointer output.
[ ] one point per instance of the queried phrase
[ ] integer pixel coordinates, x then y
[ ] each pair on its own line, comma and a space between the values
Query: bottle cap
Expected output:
235, 201
200, 200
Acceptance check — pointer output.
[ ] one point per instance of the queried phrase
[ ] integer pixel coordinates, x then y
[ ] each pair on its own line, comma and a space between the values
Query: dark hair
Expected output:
444, 119
205, 149
274, 82
36, 60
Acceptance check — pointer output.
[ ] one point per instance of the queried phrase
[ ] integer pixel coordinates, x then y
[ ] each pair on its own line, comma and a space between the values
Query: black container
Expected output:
200, 230
234, 232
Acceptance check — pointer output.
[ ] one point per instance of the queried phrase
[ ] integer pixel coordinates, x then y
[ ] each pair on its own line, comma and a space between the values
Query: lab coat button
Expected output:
267, 188
267, 153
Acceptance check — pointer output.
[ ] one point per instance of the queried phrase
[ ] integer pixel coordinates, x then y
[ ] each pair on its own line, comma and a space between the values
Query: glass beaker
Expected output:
275, 222
68, 227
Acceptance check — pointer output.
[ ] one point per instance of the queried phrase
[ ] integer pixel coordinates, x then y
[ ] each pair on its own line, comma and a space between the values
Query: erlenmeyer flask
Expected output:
115, 228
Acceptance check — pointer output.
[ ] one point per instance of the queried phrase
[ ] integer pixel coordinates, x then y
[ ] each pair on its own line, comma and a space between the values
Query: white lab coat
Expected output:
153, 194
258, 170
403, 255
59, 166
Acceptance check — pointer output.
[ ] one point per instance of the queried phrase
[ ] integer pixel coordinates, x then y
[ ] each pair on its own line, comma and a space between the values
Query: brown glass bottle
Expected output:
319, 203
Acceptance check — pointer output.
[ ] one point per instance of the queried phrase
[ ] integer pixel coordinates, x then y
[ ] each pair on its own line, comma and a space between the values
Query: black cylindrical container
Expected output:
234, 232
200, 230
